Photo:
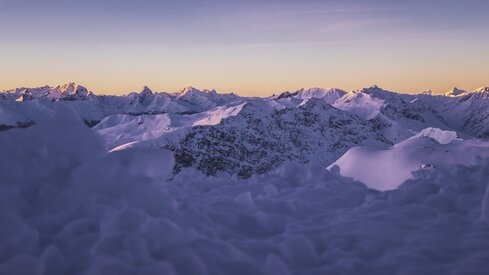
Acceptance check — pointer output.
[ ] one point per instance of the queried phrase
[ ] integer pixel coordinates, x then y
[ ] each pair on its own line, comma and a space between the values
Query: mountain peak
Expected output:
482, 90
71, 87
68, 90
194, 92
428, 92
372, 89
313, 93
288, 94
146, 90
455, 92
190, 90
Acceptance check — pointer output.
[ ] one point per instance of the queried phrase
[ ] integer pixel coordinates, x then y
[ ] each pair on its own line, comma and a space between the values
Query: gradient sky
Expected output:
249, 47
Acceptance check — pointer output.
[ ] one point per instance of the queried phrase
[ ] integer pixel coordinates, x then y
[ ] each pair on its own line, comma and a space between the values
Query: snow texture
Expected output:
69, 207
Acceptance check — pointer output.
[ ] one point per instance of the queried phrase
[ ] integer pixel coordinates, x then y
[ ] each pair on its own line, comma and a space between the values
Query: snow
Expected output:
202, 100
215, 116
386, 169
441, 136
302, 96
124, 131
66, 90
329, 95
455, 92
482, 90
69, 207
468, 113
261, 138
361, 104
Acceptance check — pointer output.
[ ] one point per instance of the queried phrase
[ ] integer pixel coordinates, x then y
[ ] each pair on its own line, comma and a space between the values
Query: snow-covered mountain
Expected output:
403, 115
69, 91
455, 92
468, 113
300, 97
217, 133
260, 138
202, 100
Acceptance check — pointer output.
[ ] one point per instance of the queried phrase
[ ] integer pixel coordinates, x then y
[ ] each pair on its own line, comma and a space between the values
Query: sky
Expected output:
253, 48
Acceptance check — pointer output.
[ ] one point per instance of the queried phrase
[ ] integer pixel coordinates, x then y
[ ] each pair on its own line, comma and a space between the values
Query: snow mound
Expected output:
439, 135
386, 169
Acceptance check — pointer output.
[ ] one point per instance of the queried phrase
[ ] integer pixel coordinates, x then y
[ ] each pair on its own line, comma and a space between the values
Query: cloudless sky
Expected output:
249, 47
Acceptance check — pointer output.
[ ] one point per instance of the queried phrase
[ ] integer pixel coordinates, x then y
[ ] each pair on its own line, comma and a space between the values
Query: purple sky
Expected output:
250, 47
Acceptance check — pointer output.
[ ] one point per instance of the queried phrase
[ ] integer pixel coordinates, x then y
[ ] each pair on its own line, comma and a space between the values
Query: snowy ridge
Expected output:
300, 97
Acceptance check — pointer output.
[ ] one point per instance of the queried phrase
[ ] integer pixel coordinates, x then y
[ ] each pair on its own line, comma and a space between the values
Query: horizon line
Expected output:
238, 93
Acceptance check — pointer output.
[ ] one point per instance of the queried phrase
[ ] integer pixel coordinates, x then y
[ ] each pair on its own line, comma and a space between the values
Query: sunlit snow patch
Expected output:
361, 104
441, 136
124, 131
387, 169
215, 116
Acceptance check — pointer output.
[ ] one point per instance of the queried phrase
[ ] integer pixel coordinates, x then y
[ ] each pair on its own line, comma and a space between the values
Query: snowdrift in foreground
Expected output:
387, 169
68, 207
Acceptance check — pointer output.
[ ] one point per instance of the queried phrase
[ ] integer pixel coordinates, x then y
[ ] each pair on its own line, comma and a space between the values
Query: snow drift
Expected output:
386, 169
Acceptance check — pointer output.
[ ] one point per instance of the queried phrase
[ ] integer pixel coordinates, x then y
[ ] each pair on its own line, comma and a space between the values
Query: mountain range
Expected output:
243, 136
